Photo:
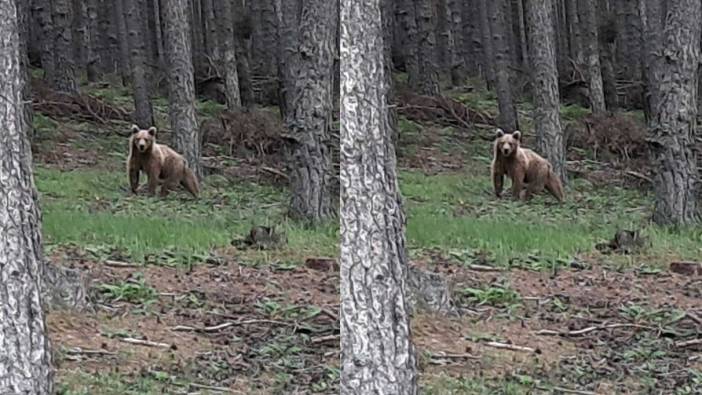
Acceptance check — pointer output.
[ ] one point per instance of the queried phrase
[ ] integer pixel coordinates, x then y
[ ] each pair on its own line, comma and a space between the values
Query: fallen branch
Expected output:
453, 356
484, 268
324, 339
548, 332
689, 343
639, 175
120, 264
80, 351
141, 342
693, 317
510, 347
275, 171
567, 391
219, 327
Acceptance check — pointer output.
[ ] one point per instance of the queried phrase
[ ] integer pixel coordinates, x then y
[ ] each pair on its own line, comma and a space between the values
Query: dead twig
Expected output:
639, 175
219, 327
484, 268
693, 317
689, 343
567, 391
141, 342
80, 351
548, 332
510, 347
275, 171
324, 339
453, 356
120, 264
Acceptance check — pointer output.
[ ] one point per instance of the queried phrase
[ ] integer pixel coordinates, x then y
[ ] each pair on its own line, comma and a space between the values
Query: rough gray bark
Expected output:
181, 84
522, 32
65, 73
197, 24
242, 21
158, 31
651, 14
212, 43
606, 37
122, 40
503, 85
108, 37
25, 365
574, 32
223, 8
288, 14
588, 18
443, 36
143, 111
42, 10
456, 42
409, 41
488, 45
81, 40
92, 29
310, 117
377, 355
472, 37
672, 128
628, 39
547, 120
23, 18
263, 35
428, 77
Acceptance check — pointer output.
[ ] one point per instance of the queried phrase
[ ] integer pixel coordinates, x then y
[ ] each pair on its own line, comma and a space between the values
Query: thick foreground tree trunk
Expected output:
143, 111
547, 119
377, 354
672, 135
181, 84
25, 364
310, 116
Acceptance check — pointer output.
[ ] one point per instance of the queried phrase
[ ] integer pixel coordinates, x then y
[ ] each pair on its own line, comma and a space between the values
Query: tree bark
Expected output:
377, 354
673, 127
443, 36
409, 41
230, 75
158, 31
108, 37
651, 14
23, 18
310, 118
488, 45
181, 84
508, 112
211, 37
242, 21
428, 77
81, 41
263, 35
574, 32
457, 45
42, 10
122, 41
606, 39
522, 32
288, 14
92, 49
629, 39
547, 120
588, 16
143, 111
25, 366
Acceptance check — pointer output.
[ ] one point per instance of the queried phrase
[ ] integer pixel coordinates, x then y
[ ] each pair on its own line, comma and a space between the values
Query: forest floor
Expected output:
211, 315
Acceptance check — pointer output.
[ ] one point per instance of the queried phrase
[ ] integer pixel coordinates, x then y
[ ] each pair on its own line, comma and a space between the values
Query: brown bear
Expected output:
524, 166
160, 163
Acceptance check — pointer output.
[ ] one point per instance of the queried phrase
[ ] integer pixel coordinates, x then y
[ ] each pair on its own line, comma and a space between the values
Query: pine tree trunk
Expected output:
42, 10
377, 354
588, 17
223, 8
488, 45
651, 14
242, 23
25, 365
211, 37
523, 46
408, 23
472, 37
458, 46
122, 41
606, 47
23, 18
288, 14
629, 39
65, 73
264, 46
673, 127
108, 37
158, 31
574, 32
443, 37
143, 111
310, 117
92, 50
81, 41
508, 111
428, 82
547, 120
181, 84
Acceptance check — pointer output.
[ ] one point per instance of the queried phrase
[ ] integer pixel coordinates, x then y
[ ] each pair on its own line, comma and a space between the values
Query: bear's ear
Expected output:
499, 133
135, 129
152, 131
517, 135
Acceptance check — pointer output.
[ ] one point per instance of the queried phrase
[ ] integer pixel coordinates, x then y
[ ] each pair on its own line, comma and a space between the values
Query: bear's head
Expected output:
143, 139
507, 144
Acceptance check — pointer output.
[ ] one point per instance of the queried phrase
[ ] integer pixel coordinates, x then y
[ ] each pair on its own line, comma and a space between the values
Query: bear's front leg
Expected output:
517, 184
134, 179
497, 181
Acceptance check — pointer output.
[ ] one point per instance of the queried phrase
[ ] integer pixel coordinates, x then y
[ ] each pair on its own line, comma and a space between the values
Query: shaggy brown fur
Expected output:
160, 163
524, 166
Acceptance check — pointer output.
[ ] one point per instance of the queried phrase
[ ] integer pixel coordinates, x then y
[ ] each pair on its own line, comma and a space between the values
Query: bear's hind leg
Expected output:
190, 183
555, 187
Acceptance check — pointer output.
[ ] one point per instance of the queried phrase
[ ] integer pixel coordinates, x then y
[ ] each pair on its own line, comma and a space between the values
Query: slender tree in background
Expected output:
588, 18
488, 52
242, 23
181, 84
25, 365
428, 77
229, 64
377, 353
65, 71
42, 11
547, 119
310, 116
120, 26
673, 125
136, 26
408, 23
651, 14
498, 26
92, 29
288, 15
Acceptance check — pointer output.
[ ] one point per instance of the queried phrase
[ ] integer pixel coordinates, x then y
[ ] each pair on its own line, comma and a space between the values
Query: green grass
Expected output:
91, 209
459, 210
447, 385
